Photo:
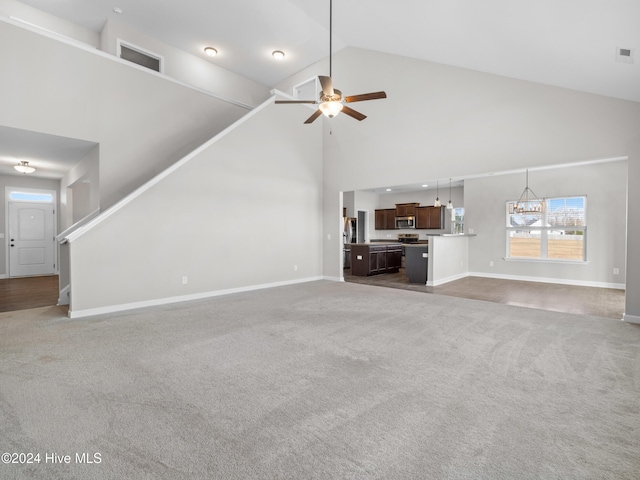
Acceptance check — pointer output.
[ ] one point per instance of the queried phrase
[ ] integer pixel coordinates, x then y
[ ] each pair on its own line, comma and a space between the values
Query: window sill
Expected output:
546, 260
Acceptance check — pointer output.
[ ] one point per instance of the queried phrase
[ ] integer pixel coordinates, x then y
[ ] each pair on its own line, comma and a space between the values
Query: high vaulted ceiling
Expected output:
567, 43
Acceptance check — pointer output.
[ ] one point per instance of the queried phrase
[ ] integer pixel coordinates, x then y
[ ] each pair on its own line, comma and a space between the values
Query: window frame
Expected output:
545, 228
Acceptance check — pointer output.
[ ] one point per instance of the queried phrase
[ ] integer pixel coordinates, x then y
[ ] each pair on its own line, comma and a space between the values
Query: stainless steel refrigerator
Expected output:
349, 236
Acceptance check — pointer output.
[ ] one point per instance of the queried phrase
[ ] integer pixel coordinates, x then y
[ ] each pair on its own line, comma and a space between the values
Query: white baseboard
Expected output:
442, 281
333, 279
631, 318
560, 281
182, 298
2, 275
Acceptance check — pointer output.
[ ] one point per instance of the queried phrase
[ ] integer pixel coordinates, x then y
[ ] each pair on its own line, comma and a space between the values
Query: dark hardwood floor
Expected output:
28, 292
599, 302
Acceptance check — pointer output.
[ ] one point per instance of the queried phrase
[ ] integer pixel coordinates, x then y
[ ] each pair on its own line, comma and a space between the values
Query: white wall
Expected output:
143, 121
604, 184
86, 171
245, 212
367, 202
632, 298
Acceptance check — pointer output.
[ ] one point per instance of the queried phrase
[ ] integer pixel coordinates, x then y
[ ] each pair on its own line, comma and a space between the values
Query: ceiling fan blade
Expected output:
327, 85
315, 115
296, 101
352, 113
365, 96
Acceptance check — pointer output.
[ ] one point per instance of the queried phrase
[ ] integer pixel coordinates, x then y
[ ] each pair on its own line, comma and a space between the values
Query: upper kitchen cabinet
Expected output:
406, 209
430, 217
386, 219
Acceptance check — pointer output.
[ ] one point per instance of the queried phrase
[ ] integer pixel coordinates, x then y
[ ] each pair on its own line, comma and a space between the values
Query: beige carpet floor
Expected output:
323, 380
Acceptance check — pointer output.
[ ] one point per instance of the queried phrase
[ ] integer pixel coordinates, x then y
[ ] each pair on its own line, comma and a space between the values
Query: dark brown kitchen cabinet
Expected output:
430, 217
406, 209
386, 219
371, 259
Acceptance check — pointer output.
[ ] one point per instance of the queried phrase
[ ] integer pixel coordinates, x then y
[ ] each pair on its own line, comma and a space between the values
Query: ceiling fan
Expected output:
331, 101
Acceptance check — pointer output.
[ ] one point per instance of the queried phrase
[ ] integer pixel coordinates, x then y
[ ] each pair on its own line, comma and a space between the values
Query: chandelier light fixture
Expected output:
528, 201
24, 167
449, 205
437, 202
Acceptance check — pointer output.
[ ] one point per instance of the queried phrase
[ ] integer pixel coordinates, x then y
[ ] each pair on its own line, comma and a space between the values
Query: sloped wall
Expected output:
245, 212
143, 121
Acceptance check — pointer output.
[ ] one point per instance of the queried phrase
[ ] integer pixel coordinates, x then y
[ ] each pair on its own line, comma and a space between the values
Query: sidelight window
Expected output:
558, 232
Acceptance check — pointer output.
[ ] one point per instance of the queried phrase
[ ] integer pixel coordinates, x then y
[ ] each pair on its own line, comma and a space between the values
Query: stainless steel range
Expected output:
405, 238
408, 237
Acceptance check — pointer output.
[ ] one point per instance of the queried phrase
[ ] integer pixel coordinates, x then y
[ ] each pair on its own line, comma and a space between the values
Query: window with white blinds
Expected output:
557, 232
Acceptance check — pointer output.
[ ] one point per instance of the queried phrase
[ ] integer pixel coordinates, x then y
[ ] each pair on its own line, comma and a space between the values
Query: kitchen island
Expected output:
375, 258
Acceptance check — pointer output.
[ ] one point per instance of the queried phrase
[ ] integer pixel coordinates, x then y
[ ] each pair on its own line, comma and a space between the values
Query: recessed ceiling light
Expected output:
117, 10
278, 54
388, 189
210, 51
425, 185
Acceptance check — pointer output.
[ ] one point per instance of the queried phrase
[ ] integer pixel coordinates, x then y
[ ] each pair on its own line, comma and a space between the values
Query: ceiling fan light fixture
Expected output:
24, 167
210, 51
331, 109
278, 54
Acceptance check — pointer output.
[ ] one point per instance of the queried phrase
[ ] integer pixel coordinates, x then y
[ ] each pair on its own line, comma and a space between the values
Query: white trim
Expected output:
33, 26
183, 298
333, 279
7, 201
120, 42
162, 175
2, 275
631, 318
441, 281
559, 281
61, 238
91, 49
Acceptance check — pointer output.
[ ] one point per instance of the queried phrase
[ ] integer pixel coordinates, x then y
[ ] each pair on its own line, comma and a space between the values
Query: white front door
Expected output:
31, 239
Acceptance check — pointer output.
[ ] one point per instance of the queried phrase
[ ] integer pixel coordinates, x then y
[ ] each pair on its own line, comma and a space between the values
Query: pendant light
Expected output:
449, 205
528, 201
24, 167
437, 202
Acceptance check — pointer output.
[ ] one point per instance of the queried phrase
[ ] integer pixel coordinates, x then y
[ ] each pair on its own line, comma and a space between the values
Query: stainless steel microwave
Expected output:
405, 222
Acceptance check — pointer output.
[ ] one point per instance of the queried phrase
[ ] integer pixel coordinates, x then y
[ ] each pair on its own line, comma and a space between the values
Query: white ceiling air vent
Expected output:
140, 56
624, 55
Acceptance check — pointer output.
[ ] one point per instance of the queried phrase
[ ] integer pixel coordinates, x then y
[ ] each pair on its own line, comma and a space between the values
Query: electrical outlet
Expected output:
471, 231
491, 263
184, 279
616, 271
328, 236
295, 268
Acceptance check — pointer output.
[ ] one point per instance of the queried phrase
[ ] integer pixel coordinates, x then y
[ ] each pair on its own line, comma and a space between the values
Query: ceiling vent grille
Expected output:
624, 55
140, 57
